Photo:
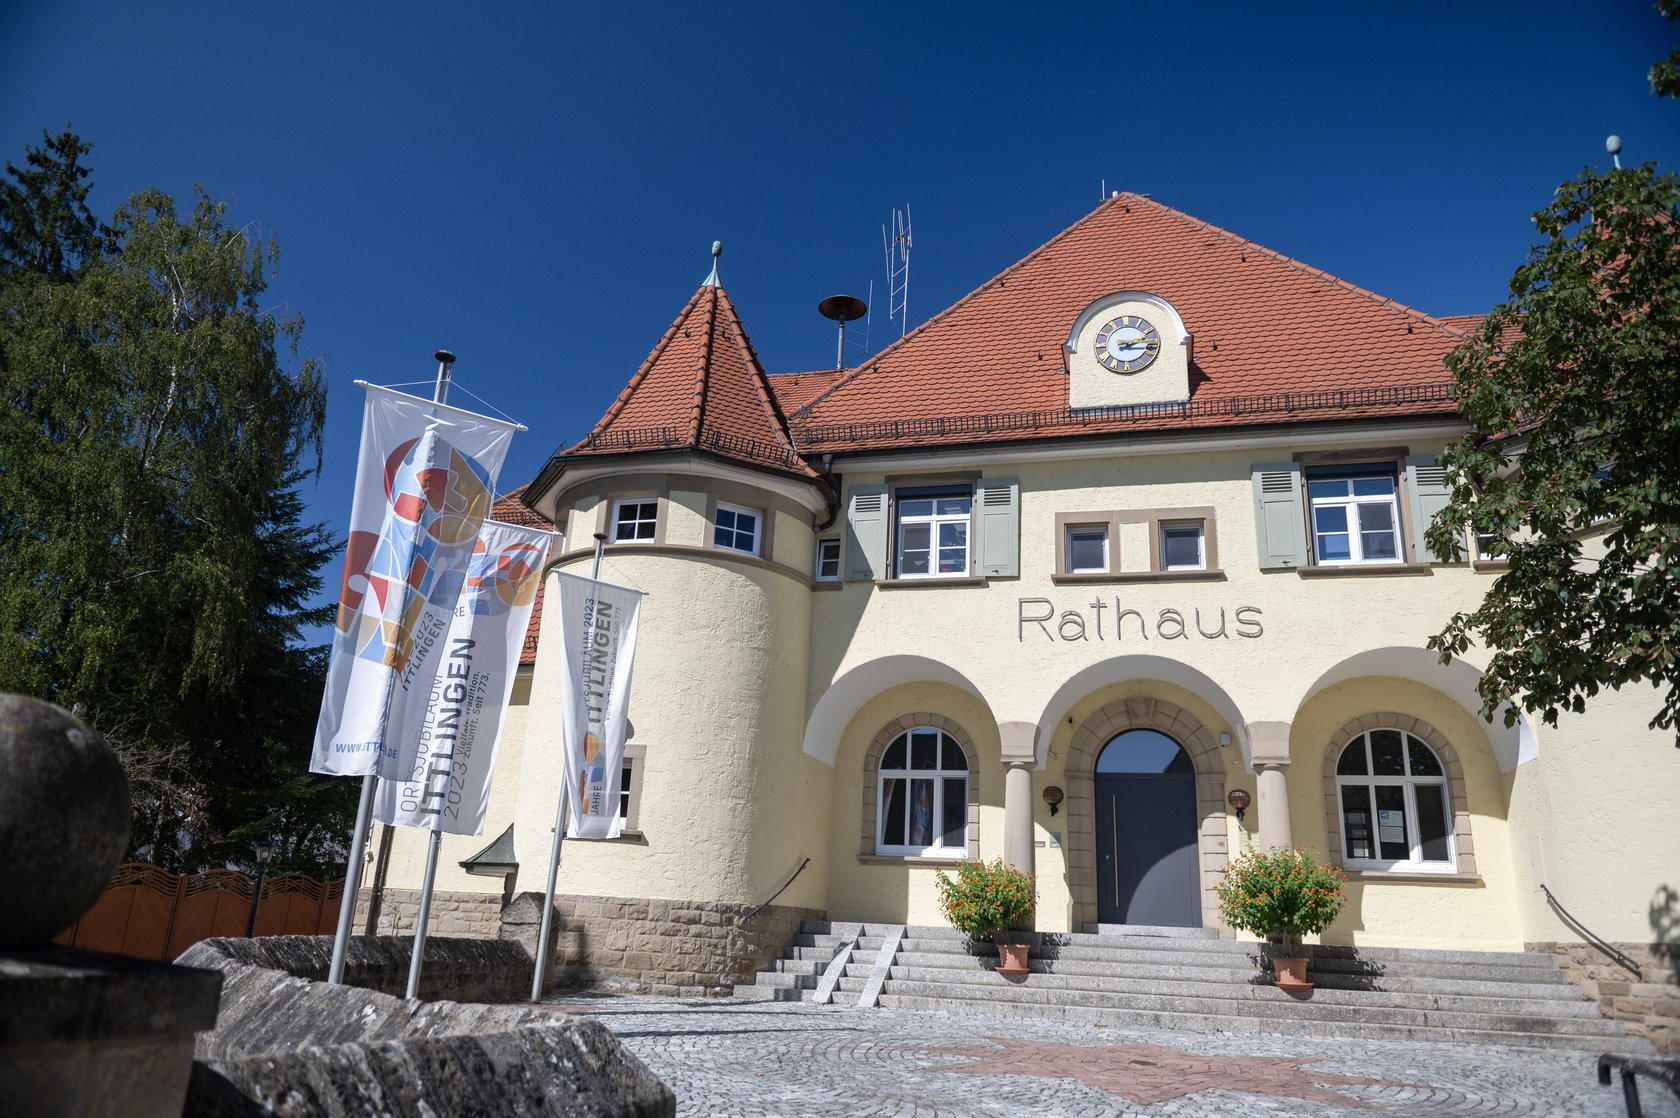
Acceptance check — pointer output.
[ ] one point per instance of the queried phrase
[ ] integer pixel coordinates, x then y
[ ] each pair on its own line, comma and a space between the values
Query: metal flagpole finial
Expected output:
445, 359
712, 280
1613, 145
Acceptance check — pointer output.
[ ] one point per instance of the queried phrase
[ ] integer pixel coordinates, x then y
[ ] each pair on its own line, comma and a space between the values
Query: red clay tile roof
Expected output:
1460, 323
1276, 341
701, 388
794, 390
510, 510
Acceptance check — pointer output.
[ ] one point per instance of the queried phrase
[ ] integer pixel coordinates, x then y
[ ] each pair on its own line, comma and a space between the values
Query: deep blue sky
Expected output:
537, 188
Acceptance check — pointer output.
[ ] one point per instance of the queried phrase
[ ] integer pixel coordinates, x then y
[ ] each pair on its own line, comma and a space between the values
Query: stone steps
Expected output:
1190, 979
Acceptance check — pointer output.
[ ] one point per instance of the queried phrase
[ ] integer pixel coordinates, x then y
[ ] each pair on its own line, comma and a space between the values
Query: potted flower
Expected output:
988, 900
1282, 895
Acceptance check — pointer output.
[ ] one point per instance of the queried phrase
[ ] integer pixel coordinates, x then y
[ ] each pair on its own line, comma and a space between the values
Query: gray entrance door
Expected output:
1146, 832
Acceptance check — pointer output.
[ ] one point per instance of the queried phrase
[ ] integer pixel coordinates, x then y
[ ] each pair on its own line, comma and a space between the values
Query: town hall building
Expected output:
1135, 526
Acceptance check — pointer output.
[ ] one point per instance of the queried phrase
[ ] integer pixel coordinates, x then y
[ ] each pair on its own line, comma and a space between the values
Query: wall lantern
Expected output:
1053, 797
1239, 800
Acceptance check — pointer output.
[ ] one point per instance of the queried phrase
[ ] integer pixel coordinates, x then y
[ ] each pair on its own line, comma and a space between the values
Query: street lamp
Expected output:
265, 851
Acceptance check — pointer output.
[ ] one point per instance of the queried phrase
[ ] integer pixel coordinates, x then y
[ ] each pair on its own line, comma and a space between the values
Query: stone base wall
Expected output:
627, 944
454, 915
1647, 1004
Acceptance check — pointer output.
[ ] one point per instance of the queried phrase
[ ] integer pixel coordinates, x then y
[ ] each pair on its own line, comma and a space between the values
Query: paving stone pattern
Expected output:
794, 1059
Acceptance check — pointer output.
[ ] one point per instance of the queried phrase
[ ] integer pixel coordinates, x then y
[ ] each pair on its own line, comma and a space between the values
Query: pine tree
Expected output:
155, 567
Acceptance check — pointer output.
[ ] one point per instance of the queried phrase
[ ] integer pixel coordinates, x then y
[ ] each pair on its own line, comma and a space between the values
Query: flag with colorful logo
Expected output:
424, 480
440, 780
598, 644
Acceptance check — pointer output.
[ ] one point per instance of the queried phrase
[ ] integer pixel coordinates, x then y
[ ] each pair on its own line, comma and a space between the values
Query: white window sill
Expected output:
911, 859
1414, 876
1200, 574
922, 583
1359, 570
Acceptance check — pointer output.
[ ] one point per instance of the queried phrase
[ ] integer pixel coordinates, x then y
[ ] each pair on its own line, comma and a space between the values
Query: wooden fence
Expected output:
149, 913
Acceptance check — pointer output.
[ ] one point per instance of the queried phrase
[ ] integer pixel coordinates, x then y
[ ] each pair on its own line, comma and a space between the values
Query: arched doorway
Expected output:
1147, 852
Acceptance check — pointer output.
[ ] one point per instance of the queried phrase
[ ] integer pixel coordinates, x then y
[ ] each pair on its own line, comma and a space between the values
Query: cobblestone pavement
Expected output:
790, 1059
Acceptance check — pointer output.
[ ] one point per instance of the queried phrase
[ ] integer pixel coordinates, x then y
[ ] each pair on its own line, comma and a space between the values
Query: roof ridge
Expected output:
1287, 260
703, 374
875, 362
757, 376
629, 390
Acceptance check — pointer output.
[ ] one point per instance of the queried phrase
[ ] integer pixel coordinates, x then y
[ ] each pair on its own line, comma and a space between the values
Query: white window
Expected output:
828, 560
1184, 547
635, 520
923, 796
1087, 549
1485, 544
630, 773
736, 529
1395, 811
933, 532
1355, 514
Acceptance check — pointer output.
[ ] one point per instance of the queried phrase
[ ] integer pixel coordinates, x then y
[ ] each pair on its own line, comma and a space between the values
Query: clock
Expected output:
1127, 344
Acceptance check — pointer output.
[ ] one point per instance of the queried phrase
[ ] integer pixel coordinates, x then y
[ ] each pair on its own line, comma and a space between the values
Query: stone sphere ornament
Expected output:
64, 818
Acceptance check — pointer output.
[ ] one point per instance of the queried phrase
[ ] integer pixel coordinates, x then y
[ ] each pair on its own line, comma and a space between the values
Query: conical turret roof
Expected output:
702, 389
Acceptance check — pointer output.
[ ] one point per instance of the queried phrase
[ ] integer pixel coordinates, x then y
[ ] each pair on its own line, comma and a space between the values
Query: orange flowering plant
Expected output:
1281, 892
986, 897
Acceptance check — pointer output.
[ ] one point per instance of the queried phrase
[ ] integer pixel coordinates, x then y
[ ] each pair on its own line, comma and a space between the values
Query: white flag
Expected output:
598, 643
423, 488
441, 779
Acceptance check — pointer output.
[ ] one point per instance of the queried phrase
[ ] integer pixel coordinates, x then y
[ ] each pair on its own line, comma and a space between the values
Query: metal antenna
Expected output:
1614, 146
897, 246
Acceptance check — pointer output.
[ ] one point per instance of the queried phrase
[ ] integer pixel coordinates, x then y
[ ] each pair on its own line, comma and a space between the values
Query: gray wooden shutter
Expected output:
1280, 523
999, 546
866, 532
1426, 483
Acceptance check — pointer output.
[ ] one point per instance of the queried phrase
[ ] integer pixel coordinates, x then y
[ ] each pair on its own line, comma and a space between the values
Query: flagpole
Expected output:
561, 810
358, 841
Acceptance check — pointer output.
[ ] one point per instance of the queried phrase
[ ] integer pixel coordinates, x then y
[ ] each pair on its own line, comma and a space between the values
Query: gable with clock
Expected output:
1126, 348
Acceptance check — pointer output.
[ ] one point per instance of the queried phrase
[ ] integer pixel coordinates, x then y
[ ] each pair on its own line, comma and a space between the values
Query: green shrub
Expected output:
1281, 892
986, 898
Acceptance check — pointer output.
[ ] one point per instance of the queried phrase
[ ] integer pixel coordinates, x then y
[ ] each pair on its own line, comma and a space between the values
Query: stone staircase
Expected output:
1190, 979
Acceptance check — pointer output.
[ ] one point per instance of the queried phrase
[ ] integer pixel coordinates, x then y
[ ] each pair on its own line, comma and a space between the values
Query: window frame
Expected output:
1109, 547
615, 519
1199, 526
733, 509
1413, 863
630, 791
822, 545
944, 738
1353, 529
933, 490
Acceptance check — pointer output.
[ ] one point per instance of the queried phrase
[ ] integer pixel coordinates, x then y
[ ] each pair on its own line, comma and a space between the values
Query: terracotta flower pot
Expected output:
1012, 957
1291, 973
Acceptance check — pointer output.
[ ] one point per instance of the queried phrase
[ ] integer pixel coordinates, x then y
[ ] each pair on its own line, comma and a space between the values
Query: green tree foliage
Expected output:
1572, 463
155, 567
1665, 75
46, 227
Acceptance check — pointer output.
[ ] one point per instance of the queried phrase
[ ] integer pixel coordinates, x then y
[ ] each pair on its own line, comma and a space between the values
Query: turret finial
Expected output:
712, 280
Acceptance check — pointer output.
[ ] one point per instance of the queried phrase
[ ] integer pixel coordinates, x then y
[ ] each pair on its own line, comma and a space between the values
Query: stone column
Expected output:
1017, 817
1018, 759
1272, 794
1270, 757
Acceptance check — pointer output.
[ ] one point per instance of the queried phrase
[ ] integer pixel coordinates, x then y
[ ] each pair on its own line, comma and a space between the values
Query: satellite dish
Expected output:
842, 308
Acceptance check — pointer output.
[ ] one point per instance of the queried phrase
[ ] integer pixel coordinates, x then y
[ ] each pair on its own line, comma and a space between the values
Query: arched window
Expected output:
1394, 806
923, 796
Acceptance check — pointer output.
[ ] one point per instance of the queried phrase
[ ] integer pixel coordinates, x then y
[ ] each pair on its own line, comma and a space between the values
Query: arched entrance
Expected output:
1147, 850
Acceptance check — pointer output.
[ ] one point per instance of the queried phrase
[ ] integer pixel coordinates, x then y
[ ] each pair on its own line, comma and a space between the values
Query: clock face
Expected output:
1127, 344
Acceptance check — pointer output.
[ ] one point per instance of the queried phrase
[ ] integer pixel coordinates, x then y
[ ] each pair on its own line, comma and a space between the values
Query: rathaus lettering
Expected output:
1130, 624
